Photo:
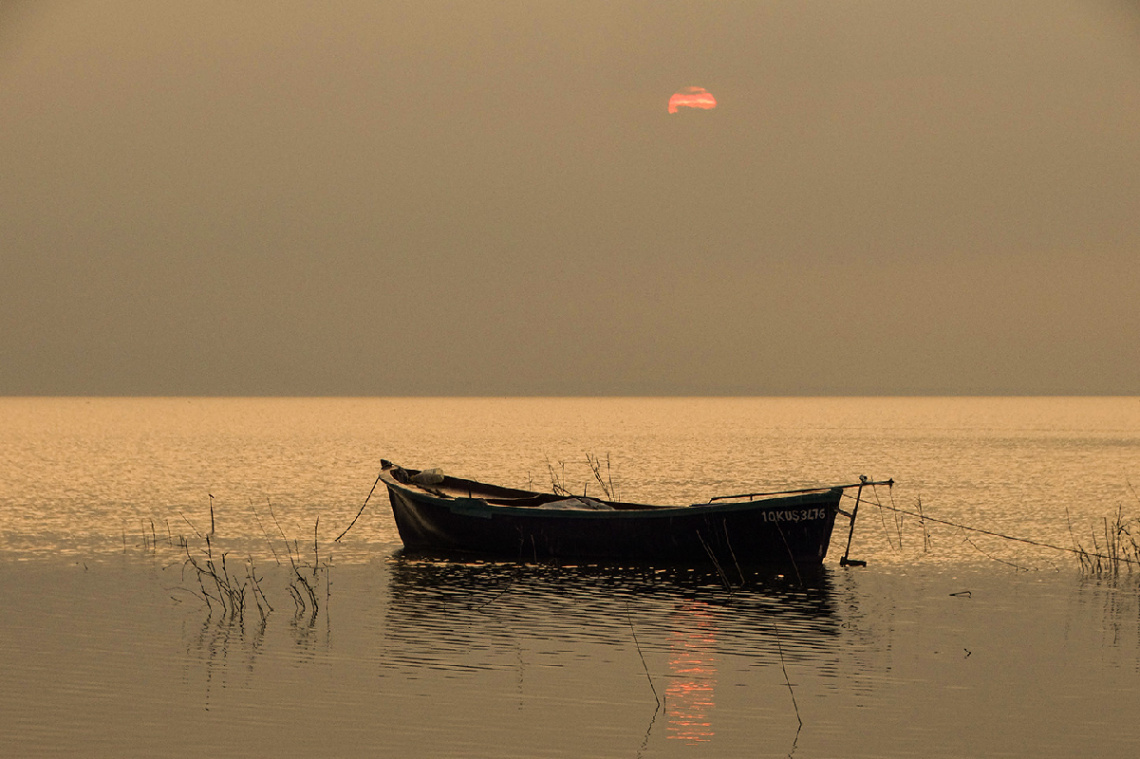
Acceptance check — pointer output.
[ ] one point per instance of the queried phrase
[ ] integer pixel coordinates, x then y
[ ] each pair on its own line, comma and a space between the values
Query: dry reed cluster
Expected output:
231, 586
603, 479
1114, 548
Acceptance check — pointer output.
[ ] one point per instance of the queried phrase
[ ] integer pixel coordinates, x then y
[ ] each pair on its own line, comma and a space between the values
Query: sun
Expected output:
692, 97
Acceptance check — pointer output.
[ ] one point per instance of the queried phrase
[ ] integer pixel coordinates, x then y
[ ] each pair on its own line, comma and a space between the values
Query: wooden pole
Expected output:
844, 561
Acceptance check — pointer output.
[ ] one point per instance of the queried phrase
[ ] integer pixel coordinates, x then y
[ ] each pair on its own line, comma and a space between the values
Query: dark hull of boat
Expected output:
790, 530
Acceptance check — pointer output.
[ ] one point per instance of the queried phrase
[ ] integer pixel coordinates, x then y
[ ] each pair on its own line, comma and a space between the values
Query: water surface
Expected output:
949, 643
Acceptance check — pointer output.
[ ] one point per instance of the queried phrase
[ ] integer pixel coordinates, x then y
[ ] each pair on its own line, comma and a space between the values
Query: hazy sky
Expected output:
403, 198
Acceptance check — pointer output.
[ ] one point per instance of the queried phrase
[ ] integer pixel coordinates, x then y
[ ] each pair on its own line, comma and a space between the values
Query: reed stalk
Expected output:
558, 479
788, 682
922, 522
652, 687
606, 482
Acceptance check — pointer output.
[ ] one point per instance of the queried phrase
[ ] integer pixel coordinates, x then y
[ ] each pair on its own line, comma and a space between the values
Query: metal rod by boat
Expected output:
436, 513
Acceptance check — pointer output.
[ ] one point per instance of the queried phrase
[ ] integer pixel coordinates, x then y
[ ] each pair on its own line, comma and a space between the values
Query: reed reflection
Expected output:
226, 636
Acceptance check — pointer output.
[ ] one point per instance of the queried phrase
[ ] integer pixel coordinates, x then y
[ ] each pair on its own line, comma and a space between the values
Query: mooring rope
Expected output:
1014, 538
362, 507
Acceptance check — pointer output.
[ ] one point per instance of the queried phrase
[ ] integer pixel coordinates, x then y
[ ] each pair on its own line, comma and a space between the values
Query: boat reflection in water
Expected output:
573, 629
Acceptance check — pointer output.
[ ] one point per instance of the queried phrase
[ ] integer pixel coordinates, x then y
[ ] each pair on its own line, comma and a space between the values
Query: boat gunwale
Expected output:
483, 505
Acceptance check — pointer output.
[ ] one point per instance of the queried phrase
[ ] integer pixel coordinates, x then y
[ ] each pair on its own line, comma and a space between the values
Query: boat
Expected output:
440, 514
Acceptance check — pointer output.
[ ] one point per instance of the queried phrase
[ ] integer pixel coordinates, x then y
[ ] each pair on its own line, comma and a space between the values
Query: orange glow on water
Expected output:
692, 97
692, 668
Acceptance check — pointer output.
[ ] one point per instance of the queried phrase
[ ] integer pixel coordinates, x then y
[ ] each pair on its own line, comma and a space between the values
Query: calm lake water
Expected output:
950, 643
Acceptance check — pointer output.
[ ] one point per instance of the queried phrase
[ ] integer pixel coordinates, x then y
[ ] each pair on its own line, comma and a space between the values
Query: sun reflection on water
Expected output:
692, 672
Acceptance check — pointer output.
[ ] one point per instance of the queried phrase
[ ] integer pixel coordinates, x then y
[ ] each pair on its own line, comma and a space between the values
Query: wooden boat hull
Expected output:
787, 530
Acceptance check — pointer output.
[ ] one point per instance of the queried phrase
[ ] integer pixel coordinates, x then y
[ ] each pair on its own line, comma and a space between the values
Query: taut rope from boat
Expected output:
1014, 538
362, 507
